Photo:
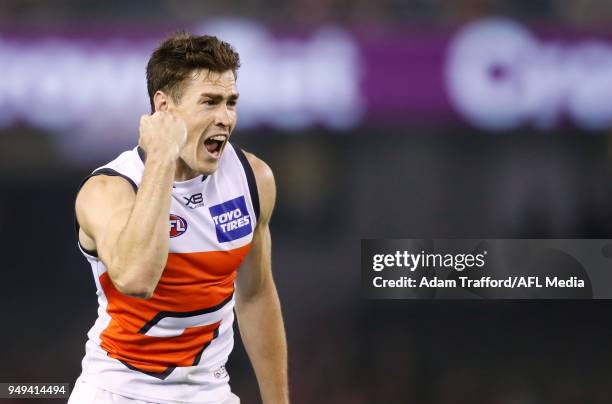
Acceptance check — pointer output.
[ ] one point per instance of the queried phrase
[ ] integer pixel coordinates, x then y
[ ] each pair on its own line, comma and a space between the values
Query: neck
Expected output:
183, 172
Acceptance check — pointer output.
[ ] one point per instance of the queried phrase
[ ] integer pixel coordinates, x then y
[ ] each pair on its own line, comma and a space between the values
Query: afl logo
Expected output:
178, 225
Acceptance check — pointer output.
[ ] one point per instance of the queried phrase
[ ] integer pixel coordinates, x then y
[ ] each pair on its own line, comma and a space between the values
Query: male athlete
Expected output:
165, 227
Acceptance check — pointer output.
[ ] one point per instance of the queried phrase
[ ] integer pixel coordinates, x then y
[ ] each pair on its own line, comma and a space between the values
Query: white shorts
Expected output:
86, 393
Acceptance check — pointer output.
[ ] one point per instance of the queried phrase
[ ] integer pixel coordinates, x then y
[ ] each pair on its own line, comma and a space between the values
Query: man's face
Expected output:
208, 107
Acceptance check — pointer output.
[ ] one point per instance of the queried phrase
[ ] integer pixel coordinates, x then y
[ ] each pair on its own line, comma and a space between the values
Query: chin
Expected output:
207, 168
205, 163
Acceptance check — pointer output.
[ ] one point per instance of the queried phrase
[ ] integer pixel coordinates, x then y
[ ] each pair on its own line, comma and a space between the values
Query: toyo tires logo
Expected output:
232, 220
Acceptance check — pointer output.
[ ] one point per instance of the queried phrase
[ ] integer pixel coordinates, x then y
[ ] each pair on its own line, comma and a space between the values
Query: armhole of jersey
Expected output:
102, 171
248, 170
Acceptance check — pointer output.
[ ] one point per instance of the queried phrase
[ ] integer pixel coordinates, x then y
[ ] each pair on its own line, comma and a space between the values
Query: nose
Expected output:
222, 116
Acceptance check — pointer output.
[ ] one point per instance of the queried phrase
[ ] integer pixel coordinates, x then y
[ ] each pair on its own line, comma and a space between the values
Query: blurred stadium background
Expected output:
425, 118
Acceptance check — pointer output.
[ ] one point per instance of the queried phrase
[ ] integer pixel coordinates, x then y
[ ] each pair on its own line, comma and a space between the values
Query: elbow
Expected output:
134, 289
137, 292
257, 292
135, 286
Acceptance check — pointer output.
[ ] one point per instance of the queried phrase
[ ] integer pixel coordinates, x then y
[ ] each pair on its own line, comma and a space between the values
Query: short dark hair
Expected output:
180, 54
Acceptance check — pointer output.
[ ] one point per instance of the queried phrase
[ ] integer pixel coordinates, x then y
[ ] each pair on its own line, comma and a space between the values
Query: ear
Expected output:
161, 101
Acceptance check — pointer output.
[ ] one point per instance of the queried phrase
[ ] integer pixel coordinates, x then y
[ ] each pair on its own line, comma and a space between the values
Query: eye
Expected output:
232, 103
210, 102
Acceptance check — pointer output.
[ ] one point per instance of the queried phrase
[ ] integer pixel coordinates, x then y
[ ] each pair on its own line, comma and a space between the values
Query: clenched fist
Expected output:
162, 134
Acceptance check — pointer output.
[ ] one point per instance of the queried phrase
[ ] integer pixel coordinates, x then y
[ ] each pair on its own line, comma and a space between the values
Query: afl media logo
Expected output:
178, 225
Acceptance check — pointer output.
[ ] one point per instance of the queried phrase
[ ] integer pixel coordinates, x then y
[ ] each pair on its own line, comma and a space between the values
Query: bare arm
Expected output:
257, 299
130, 231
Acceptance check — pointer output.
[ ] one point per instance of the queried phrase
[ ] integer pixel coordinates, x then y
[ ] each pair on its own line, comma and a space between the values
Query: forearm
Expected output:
141, 249
263, 335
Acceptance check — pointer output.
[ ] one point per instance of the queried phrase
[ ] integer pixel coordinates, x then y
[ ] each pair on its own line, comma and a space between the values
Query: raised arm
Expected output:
130, 230
257, 304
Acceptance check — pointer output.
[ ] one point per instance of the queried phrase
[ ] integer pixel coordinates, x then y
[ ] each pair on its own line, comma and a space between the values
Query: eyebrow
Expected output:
217, 96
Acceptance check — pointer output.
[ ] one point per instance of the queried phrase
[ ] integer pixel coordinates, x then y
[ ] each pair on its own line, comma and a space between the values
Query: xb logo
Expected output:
194, 201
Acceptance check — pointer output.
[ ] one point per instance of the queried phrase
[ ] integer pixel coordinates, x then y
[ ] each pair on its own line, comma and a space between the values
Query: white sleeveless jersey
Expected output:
172, 348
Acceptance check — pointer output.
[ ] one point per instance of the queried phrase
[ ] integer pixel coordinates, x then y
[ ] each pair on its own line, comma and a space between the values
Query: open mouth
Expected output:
214, 144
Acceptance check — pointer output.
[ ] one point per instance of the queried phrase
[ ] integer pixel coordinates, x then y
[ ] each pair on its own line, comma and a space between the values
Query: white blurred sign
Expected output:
94, 92
500, 77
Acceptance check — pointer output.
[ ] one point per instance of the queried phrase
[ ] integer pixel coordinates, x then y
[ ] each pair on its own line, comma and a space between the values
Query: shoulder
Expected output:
99, 196
261, 170
266, 186
104, 186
